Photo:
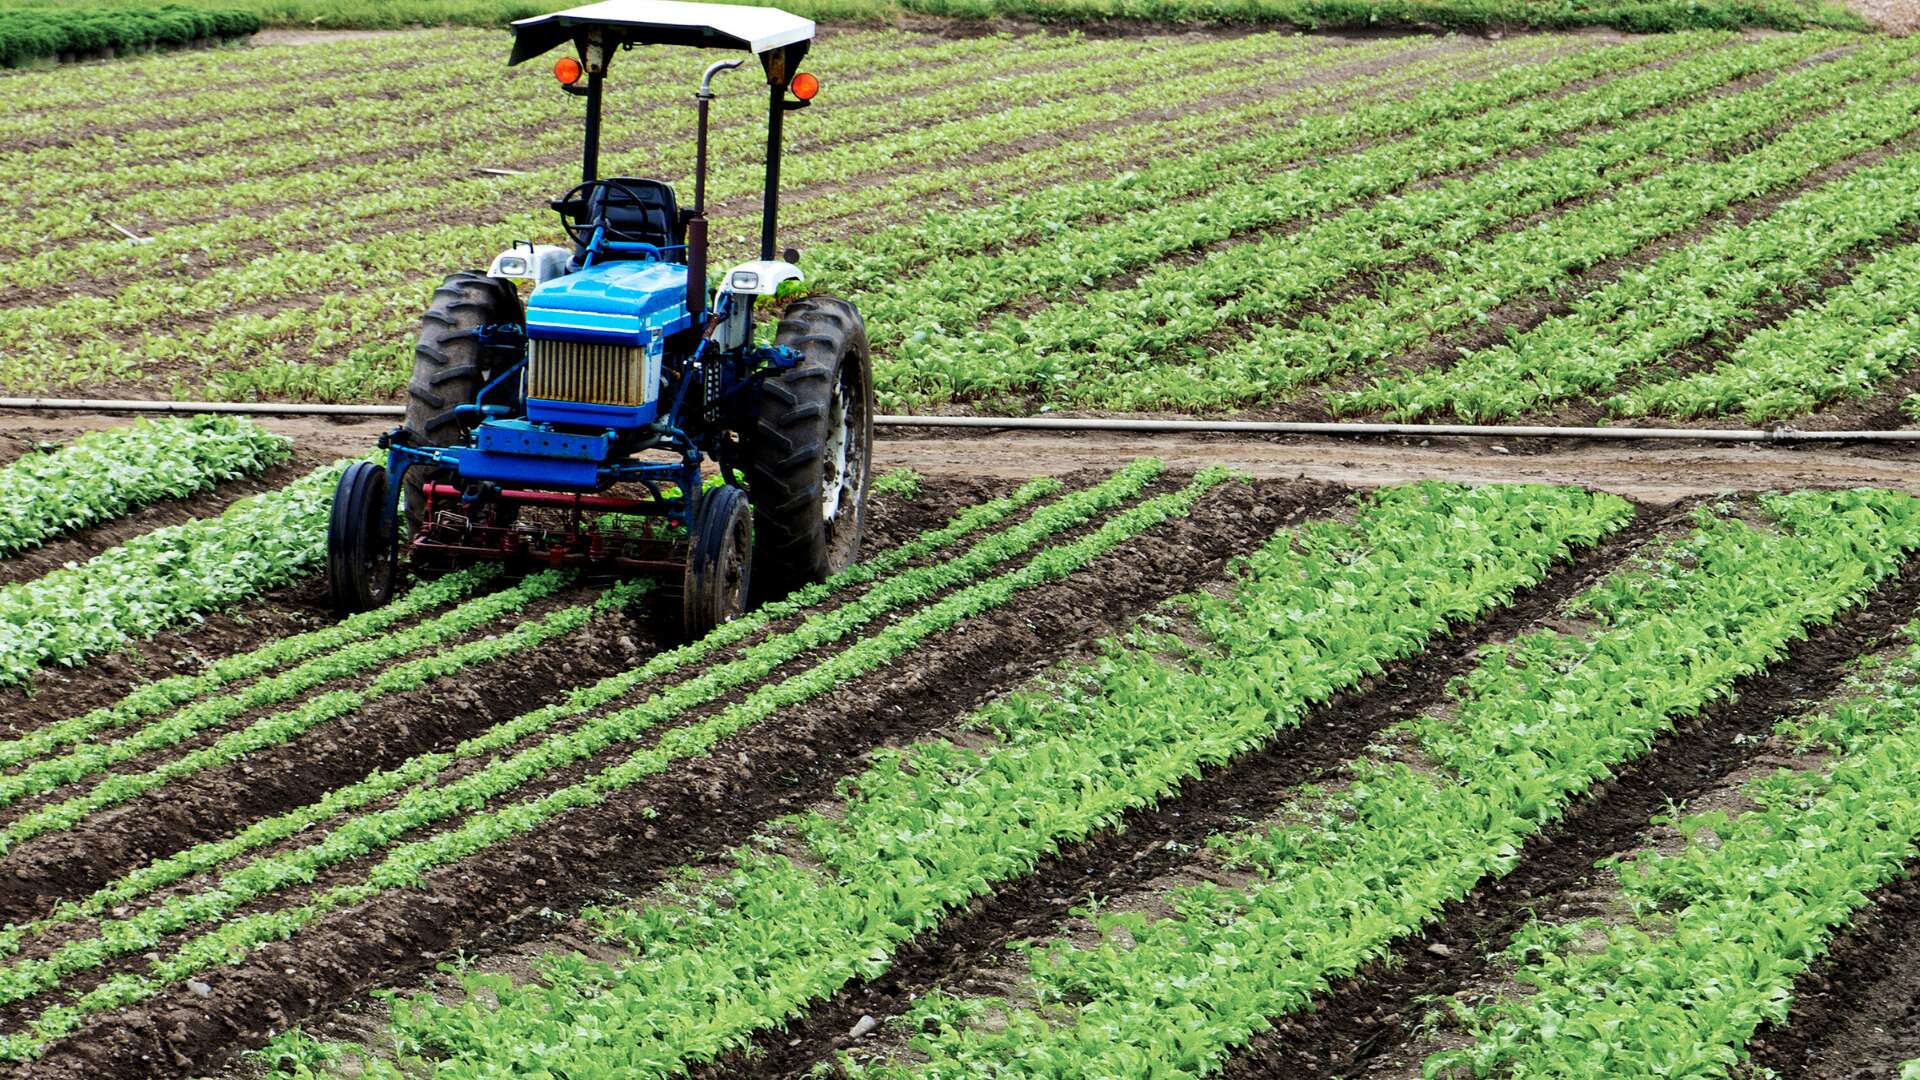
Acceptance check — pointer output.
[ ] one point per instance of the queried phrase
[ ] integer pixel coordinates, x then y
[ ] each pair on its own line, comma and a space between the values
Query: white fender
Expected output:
531, 262
762, 278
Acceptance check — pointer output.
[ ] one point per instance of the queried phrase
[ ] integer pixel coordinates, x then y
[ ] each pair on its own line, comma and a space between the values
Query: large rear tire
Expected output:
719, 562
450, 367
810, 455
362, 558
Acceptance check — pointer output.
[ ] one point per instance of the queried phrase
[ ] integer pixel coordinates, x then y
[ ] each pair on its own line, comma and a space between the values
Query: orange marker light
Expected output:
805, 86
567, 70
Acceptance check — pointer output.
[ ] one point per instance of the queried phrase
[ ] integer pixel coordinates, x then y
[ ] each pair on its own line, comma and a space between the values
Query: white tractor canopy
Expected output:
663, 22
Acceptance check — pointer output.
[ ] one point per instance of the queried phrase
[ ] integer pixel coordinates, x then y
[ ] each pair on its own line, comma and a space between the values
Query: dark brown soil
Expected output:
1149, 843
701, 806
1371, 1014
57, 693
383, 734
1856, 1013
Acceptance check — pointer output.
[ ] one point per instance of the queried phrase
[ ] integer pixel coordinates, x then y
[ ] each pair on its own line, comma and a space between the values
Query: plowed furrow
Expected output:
1373, 1014
703, 804
1150, 843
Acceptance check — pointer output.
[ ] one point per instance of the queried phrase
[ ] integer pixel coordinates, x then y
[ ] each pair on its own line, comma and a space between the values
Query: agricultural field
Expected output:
1290, 763
1260, 224
1109, 756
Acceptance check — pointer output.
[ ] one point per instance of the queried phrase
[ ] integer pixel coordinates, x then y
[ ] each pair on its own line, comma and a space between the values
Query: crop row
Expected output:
163, 695
1684, 297
29, 34
350, 318
1091, 351
1468, 284
273, 729
78, 331
165, 576
104, 474
427, 769
1847, 345
487, 122
186, 87
927, 829
498, 779
1425, 819
1722, 927
416, 182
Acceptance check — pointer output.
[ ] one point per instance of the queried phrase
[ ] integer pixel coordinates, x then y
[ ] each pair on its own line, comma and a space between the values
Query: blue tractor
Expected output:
621, 417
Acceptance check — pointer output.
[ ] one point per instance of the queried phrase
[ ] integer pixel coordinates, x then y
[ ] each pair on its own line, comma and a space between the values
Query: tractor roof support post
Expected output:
770, 202
780, 64
590, 159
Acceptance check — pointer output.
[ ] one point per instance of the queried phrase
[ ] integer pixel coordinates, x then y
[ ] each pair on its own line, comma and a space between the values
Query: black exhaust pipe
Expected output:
697, 221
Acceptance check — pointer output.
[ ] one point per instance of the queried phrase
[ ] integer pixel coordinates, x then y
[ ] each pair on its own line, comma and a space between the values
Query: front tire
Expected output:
810, 450
362, 559
450, 367
719, 562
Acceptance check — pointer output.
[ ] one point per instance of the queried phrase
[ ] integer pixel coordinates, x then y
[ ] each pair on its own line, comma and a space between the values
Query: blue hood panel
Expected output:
623, 301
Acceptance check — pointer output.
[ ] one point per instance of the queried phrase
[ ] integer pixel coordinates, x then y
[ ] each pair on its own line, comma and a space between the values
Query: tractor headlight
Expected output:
513, 266
745, 281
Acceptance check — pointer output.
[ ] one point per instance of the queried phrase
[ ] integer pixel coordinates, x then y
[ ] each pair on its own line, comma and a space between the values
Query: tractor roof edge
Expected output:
663, 22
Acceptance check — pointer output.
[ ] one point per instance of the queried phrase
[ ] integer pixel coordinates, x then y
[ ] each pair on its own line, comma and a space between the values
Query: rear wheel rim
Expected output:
839, 451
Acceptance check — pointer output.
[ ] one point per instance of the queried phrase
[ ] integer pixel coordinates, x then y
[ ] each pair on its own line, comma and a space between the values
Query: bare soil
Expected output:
1897, 16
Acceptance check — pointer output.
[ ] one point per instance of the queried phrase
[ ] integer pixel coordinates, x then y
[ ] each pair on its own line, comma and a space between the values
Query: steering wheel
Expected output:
575, 209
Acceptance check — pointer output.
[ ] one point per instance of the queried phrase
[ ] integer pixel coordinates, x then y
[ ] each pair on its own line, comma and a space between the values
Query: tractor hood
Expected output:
626, 302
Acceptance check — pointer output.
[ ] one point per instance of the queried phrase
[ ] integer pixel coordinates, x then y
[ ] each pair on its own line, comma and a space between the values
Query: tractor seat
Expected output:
650, 214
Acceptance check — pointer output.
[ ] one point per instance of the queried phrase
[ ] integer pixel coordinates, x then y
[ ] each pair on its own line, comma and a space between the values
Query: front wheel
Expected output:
810, 450
719, 562
361, 553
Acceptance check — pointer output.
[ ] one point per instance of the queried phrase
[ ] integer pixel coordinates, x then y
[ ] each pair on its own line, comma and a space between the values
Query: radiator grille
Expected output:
598, 374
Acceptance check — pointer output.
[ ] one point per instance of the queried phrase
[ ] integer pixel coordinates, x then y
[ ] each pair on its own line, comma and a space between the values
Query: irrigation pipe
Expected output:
1072, 423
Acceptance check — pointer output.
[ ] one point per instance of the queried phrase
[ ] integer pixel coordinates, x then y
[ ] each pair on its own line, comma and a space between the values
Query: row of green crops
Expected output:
176, 691
165, 577
1703, 289
927, 829
427, 769
1539, 721
1855, 339
104, 474
1643, 16
1317, 224
674, 713
1723, 926
117, 787
1091, 352
35, 33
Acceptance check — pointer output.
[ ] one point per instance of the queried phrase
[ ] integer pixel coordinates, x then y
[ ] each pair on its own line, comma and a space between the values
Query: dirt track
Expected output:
1654, 472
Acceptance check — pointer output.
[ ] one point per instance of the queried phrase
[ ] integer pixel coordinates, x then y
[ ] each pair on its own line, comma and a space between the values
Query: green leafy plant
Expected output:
901, 483
104, 474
